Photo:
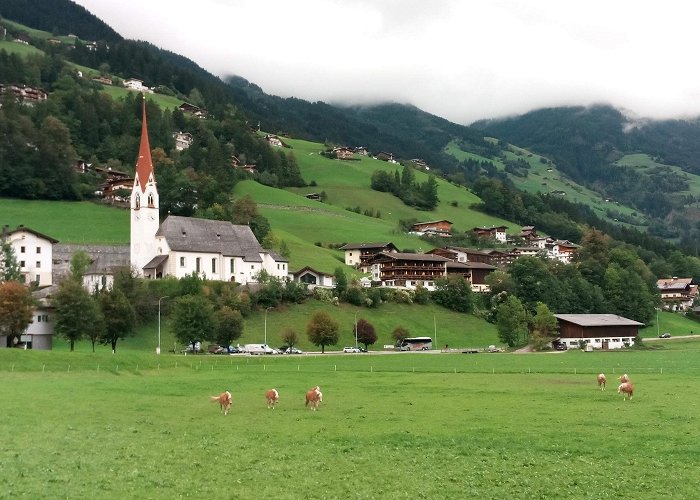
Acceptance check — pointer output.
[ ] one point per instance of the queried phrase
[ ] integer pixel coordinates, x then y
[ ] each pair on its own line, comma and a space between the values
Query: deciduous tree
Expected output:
192, 319
366, 333
119, 317
322, 330
76, 312
511, 321
16, 306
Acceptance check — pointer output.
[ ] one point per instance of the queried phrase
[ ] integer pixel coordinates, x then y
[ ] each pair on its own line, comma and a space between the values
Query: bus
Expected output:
415, 344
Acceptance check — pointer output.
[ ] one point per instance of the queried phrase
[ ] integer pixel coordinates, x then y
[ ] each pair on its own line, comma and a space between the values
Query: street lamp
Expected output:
158, 348
266, 309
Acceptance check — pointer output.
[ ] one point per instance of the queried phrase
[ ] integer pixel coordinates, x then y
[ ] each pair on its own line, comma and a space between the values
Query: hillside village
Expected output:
222, 251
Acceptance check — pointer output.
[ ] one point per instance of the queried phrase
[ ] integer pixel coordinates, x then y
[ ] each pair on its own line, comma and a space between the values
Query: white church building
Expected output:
180, 246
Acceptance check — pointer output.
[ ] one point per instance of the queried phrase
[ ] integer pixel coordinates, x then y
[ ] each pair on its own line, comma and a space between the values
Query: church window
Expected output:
150, 200
182, 262
213, 265
137, 202
232, 269
197, 264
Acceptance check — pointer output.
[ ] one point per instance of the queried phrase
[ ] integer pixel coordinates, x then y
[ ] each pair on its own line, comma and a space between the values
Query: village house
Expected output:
180, 246
25, 94
34, 253
527, 233
389, 157
183, 140
596, 331
104, 80
407, 270
358, 254
342, 153
433, 228
561, 250
497, 233
137, 85
274, 141
361, 150
677, 294
193, 110
313, 278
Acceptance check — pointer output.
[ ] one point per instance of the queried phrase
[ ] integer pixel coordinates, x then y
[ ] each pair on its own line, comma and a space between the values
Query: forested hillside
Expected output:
592, 146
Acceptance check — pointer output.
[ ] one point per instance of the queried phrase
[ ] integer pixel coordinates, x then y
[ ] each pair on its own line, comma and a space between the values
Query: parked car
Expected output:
197, 347
216, 349
293, 350
362, 349
665, 335
351, 349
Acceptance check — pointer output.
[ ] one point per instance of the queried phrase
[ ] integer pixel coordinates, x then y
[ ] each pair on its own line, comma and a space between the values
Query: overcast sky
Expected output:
460, 59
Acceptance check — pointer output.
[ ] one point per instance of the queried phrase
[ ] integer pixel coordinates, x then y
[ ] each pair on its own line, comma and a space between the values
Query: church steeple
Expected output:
144, 163
144, 205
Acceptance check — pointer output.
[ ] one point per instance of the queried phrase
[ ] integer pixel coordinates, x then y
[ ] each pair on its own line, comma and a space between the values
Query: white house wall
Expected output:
34, 255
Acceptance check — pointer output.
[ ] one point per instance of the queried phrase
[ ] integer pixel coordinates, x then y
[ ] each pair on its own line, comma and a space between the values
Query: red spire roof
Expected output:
144, 164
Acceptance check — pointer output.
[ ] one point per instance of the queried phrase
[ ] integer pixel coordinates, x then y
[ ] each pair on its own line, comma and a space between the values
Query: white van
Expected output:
258, 349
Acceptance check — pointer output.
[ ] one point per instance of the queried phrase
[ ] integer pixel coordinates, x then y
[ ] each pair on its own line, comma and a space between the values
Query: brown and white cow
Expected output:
224, 399
601, 381
624, 378
627, 389
314, 396
272, 397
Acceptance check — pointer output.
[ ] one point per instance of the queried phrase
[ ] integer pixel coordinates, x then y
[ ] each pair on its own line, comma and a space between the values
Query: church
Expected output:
180, 246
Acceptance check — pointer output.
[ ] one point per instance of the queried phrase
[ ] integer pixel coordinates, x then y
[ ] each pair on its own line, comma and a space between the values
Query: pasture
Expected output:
390, 426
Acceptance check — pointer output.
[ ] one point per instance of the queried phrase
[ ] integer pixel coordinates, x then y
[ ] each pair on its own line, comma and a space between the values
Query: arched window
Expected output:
137, 202
150, 200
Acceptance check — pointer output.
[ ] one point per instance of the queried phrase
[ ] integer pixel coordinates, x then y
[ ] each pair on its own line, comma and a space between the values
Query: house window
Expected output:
213, 265
21, 249
197, 264
37, 278
182, 262
22, 263
38, 249
232, 269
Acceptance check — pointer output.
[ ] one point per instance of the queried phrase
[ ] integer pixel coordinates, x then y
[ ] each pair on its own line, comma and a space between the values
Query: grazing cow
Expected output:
601, 381
627, 389
272, 397
624, 378
224, 399
313, 397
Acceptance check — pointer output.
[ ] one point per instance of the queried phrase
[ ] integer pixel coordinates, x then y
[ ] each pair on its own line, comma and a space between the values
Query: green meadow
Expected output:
390, 426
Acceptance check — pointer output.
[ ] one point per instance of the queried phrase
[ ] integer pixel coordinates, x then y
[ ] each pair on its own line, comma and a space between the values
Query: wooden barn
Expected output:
600, 331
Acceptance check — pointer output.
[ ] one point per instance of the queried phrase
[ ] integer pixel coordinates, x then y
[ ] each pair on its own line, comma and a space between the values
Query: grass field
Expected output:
391, 426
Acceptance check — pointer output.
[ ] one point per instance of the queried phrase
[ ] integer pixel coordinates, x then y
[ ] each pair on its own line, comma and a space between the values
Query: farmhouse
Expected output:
433, 228
358, 254
217, 250
193, 110
497, 233
183, 140
342, 153
137, 85
599, 331
677, 294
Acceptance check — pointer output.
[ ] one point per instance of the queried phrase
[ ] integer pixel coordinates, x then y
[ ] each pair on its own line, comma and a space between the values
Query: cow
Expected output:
314, 396
224, 399
601, 381
624, 378
627, 389
272, 397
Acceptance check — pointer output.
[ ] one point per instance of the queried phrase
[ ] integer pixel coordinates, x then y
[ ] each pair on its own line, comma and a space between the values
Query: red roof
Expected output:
144, 163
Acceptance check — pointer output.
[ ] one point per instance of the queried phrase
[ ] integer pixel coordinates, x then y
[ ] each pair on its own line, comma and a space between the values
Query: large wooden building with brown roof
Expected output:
599, 331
